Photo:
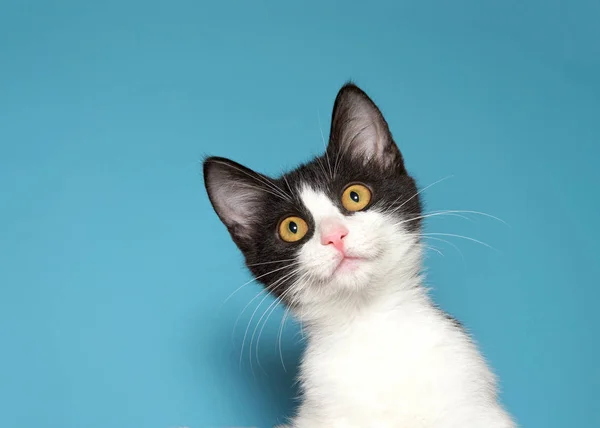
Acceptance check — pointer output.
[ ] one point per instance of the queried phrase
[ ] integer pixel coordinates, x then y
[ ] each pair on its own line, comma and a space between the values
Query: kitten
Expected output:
338, 241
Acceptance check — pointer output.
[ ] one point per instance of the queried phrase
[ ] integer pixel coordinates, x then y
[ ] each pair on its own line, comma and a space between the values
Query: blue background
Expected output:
114, 269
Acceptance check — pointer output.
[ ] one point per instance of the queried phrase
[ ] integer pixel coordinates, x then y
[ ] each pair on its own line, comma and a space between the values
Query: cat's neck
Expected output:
340, 314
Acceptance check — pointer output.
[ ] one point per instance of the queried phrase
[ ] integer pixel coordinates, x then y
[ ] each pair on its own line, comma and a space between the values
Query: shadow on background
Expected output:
264, 377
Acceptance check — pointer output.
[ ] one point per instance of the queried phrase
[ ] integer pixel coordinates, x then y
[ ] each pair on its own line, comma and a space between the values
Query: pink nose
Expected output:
333, 232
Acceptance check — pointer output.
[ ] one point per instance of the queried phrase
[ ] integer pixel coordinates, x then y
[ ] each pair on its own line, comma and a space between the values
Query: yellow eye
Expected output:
356, 197
292, 229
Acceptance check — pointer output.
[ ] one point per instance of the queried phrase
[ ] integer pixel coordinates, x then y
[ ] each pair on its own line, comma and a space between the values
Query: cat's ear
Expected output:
358, 129
236, 194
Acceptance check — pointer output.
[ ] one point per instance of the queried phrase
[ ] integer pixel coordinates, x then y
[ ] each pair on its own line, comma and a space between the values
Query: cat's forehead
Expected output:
325, 174
317, 202
316, 173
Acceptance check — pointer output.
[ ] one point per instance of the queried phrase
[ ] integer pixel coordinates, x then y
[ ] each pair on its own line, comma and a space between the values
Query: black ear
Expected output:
358, 129
236, 194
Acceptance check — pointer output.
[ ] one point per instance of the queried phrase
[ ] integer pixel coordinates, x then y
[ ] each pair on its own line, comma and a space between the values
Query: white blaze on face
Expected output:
372, 243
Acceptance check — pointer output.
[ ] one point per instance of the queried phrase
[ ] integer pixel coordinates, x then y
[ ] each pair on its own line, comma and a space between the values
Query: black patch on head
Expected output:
361, 150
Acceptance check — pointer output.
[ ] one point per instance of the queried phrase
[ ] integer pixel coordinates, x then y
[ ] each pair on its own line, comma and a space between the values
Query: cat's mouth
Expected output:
348, 264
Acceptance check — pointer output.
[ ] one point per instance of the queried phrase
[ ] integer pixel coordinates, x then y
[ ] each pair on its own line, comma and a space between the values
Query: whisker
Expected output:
462, 237
246, 333
454, 213
262, 291
280, 334
448, 213
320, 163
273, 306
432, 248
472, 212
271, 262
256, 278
287, 183
433, 214
301, 328
449, 243
417, 194
272, 286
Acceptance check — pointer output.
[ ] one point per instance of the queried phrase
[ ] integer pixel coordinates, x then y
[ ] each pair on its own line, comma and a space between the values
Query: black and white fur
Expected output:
379, 352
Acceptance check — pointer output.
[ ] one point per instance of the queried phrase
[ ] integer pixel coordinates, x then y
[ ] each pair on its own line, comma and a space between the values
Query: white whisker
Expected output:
433, 214
417, 194
264, 290
449, 243
256, 278
273, 305
271, 262
432, 248
471, 212
269, 288
280, 334
462, 237
246, 332
320, 163
287, 183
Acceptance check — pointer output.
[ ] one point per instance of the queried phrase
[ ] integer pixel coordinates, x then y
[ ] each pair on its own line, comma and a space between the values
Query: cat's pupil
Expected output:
354, 196
293, 227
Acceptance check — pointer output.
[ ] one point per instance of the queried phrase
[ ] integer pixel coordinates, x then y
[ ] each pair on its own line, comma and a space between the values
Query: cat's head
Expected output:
338, 226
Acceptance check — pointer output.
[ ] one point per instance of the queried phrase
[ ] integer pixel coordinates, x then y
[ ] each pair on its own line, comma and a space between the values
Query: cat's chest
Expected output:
378, 351
384, 367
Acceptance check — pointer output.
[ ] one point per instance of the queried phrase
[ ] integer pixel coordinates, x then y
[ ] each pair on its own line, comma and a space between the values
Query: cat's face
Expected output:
334, 227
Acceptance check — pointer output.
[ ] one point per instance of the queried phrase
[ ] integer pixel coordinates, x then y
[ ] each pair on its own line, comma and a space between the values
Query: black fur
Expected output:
386, 176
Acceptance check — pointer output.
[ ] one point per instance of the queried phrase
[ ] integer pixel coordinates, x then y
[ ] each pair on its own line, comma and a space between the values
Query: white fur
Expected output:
379, 353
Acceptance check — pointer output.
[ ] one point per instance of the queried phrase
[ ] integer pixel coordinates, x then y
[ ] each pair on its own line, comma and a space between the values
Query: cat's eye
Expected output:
356, 197
293, 229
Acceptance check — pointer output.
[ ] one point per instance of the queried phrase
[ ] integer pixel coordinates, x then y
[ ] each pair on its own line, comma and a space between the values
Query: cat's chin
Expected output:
352, 273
